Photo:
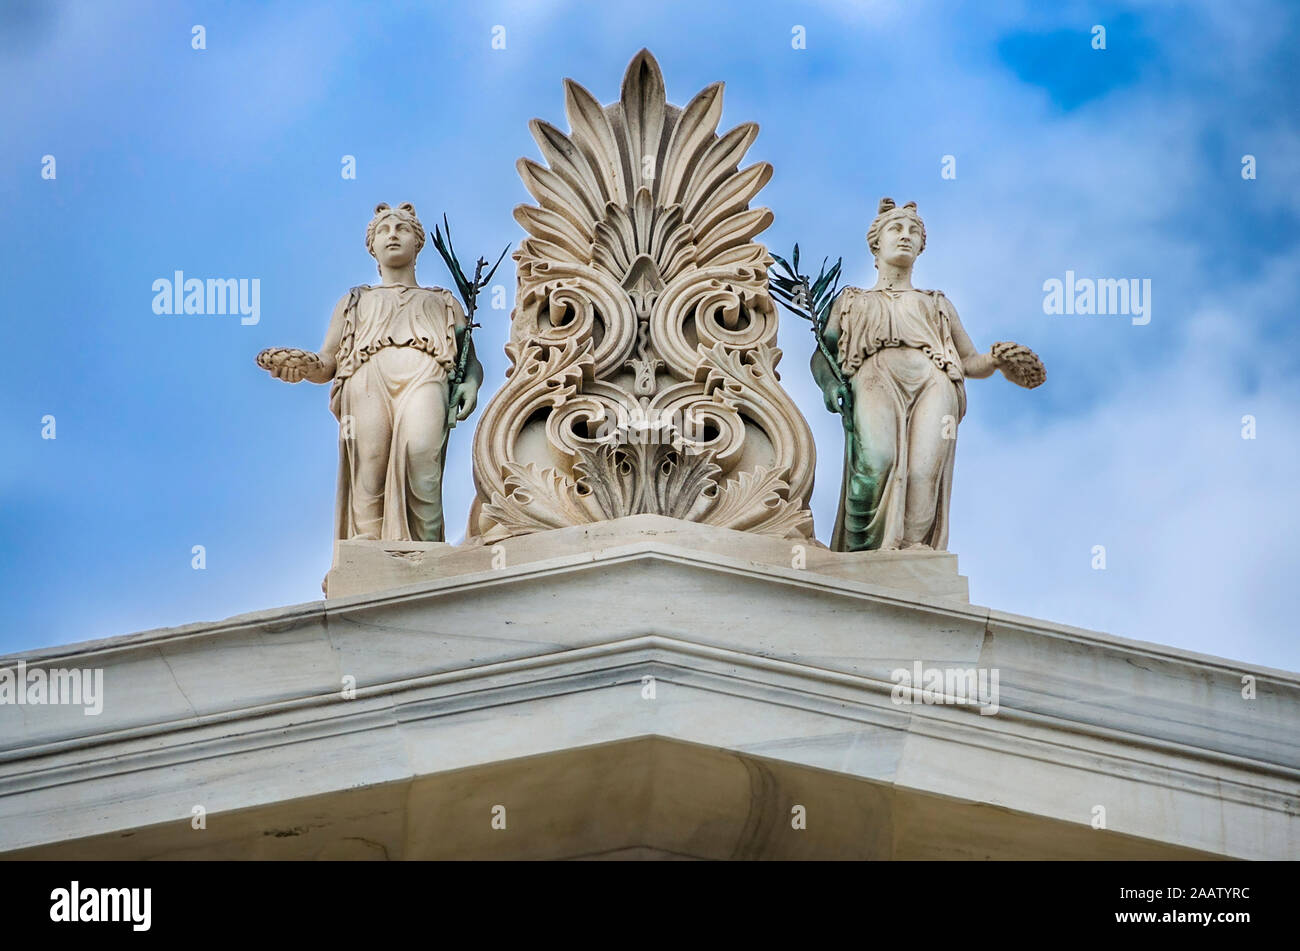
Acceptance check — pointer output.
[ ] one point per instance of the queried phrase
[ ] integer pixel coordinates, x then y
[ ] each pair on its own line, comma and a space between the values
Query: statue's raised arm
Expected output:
293, 365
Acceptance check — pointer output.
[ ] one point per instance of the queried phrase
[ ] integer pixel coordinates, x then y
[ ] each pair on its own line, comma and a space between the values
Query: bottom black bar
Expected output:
340, 900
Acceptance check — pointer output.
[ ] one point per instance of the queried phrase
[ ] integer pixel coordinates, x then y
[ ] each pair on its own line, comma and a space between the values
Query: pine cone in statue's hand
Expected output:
289, 363
1018, 364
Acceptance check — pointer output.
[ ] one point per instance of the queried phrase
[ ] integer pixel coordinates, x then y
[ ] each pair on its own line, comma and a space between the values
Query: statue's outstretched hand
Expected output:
1018, 364
291, 364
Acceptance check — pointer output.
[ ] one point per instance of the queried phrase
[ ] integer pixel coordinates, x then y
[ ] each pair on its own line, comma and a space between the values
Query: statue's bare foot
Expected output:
917, 546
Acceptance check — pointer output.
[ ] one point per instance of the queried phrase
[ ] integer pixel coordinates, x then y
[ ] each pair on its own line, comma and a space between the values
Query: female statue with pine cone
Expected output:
903, 358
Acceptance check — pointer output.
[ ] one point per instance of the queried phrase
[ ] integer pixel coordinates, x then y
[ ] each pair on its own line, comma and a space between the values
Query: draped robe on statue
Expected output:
896, 349
390, 395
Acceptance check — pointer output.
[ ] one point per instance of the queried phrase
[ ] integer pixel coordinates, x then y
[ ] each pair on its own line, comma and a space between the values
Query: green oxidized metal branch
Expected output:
468, 290
812, 300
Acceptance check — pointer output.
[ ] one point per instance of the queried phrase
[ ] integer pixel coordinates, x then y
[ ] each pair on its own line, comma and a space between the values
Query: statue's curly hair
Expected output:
888, 212
406, 212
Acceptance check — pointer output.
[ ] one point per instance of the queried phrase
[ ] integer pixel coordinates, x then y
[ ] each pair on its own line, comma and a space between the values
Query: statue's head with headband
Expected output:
887, 213
404, 213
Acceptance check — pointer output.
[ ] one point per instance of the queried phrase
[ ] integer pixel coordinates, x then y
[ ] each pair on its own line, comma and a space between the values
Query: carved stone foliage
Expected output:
642, 344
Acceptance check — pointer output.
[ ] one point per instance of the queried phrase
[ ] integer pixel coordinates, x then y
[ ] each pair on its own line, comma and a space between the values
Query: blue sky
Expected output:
225, 162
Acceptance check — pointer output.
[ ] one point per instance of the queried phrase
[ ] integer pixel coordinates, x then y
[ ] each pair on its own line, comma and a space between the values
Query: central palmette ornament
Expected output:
642, 344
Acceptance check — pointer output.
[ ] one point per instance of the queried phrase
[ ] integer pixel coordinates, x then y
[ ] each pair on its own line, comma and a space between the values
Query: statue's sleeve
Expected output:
964, 346
458, 318
842, 331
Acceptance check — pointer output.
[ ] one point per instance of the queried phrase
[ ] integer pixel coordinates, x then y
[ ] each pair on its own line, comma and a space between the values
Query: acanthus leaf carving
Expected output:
534, 499
759, 501
656, 479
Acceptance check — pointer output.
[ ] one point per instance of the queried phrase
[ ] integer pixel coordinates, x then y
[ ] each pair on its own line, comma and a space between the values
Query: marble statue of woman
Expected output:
903, 358
391, 354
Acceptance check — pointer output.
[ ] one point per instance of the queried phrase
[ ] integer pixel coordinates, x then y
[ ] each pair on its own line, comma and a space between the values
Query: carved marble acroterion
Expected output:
642, 342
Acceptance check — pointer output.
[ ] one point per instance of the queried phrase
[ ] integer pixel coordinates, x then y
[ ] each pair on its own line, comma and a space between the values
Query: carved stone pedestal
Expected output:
365, 566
